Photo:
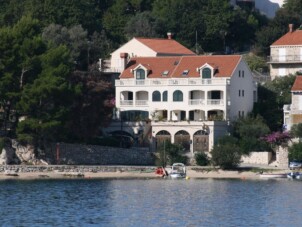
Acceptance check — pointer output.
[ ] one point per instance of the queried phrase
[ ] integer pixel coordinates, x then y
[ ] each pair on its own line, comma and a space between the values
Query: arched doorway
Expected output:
162, 137
182, 138
201, 141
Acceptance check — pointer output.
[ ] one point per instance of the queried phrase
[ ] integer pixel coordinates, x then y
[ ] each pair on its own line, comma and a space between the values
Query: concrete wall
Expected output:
77, 154
262, 158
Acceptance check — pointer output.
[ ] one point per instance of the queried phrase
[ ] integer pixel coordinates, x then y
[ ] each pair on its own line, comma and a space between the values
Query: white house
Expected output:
286, 54
189, 99
143, 47
293, 112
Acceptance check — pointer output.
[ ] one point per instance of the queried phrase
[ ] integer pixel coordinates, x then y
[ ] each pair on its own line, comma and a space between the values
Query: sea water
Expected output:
150, 202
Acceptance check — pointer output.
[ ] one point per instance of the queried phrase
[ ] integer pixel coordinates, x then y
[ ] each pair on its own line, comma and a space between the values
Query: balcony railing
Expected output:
191, 102
126, 102
285, 58
215, 101
171, 82
141, 102
194, 102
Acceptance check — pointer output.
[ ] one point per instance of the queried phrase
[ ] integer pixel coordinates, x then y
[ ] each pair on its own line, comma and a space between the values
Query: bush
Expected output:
295, 152
170, 153
227, 153
201, 159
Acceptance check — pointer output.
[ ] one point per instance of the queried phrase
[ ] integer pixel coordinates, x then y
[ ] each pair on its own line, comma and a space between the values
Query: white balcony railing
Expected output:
126, 102
171, 82
141, 102
285, 58
194, 102
191, 102
215, 102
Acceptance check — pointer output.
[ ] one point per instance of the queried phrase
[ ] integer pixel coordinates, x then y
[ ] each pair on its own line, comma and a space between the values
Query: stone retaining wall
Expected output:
77, 154
74, 168
263, 158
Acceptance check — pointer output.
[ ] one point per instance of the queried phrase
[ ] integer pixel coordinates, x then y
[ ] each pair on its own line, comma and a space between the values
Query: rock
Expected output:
8, 156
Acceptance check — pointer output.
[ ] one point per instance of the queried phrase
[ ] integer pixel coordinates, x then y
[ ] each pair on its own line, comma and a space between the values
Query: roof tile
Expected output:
290, 38
223, 64
297, 84
165, 46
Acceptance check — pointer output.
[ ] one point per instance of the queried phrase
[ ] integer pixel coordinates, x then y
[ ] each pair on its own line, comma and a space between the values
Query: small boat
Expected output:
178, 171
11, 173
295, 175
273, 175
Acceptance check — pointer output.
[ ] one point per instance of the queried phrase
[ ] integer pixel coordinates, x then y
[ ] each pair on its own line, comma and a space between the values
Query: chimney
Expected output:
169, 34
291, 28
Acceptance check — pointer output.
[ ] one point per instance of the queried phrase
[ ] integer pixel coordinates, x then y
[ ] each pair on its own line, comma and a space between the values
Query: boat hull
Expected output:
273, 175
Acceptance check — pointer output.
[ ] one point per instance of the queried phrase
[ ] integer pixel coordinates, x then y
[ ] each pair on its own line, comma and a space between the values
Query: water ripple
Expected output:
155, 202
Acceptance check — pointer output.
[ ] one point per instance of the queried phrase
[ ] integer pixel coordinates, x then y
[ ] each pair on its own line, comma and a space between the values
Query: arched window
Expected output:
165, 96
156, 96
177, 96
206, 73
140, 74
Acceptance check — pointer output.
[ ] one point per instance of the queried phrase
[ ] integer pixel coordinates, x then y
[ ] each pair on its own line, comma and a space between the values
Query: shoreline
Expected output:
191, 174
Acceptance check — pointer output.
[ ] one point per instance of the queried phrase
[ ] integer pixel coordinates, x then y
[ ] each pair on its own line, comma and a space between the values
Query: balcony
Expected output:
171, 82
196, 102
215, 102
284, 59
131, 102
105, 66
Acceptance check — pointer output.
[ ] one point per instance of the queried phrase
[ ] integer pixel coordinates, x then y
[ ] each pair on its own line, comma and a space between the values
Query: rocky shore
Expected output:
29, 172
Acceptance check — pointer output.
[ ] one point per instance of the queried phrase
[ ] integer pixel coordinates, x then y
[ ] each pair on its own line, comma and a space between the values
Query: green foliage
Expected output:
250, 130
142, 25
170, 153
272, 96
256, 62
296, 130
201, 159
295, 152
226, 154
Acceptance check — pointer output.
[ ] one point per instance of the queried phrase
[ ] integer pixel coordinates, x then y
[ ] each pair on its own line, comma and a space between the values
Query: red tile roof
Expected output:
290, 38
298, 84
224, 65
165, 46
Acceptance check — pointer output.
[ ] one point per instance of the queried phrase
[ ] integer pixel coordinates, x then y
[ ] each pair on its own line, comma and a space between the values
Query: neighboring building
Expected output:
143, 47
190, 100
293, 112
286, 54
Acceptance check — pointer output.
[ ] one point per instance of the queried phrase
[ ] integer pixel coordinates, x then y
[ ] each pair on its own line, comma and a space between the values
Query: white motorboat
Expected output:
178, 171
272, 175
295, 175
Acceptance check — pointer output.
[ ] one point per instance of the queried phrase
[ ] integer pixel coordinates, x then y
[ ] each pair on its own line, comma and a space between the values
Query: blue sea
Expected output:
151, 202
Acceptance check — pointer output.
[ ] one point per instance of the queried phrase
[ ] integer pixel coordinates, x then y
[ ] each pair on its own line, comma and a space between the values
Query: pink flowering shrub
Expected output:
277, 138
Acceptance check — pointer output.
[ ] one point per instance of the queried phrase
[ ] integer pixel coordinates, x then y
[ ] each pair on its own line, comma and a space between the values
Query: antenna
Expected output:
196, 49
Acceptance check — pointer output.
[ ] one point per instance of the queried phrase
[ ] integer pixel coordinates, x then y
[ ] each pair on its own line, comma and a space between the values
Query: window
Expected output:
177, 96
140, 74
206, 73
239, 93
185, 72
255, 96
242, 74
242, 92
165, 73
165, 96
156, 96
239, 73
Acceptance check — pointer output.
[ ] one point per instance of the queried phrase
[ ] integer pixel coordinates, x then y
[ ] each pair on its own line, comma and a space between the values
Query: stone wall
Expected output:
74, 168
262, 158
282, 157
77, 154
